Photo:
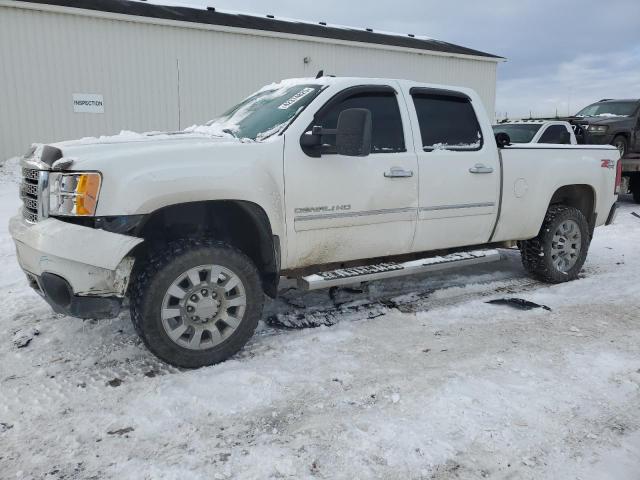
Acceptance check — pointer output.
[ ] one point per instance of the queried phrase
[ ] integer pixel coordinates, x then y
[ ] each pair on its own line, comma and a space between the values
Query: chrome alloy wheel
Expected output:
203, 307
566, 245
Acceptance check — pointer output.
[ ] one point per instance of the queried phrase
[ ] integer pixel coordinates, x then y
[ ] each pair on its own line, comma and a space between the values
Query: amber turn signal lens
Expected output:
87, 193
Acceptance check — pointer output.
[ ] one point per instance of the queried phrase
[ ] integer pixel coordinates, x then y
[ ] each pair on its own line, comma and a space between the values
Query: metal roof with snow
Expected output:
269, 23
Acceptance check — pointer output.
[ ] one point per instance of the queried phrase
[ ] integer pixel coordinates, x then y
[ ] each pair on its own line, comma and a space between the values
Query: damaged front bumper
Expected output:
80, 271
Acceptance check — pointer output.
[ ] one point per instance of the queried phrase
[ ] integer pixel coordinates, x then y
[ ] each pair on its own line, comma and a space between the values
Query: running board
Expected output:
366, 273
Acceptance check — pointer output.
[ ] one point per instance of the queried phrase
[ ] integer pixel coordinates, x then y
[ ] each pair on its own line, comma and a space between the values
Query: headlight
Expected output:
598, 129
74, 194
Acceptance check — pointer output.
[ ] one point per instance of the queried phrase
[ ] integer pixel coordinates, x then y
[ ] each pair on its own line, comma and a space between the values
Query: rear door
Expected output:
345, 208
459, 169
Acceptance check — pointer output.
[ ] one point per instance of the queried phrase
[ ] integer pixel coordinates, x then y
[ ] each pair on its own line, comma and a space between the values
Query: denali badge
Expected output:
333, 208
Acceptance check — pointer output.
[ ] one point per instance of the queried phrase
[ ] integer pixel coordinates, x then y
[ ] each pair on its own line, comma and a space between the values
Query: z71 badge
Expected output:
608, 164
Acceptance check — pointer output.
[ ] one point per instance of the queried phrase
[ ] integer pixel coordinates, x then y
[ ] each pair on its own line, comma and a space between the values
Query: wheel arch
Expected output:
621, 133
579, 196
243, 224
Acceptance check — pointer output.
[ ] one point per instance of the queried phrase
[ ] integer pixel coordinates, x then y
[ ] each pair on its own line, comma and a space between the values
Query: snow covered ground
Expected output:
418, 378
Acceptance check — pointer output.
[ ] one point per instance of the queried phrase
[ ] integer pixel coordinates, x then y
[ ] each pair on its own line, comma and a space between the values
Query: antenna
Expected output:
320, 74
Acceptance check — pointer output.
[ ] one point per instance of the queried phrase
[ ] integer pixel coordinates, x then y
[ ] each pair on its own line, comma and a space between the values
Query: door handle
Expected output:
398, 172
481, 168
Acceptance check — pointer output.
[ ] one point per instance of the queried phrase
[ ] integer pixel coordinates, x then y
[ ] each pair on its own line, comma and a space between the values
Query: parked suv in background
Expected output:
610, 122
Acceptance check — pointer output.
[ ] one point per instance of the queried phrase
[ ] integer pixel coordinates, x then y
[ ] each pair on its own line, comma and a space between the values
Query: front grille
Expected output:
29, 194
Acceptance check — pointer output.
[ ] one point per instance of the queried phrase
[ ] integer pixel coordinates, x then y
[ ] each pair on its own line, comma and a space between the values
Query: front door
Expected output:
459, 171
345, 208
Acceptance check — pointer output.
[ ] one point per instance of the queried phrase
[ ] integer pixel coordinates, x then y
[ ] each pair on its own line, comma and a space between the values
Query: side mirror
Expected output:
353, 135
503, 139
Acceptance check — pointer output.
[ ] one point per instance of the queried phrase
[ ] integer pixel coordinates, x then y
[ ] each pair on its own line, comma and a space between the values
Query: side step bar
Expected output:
346, 276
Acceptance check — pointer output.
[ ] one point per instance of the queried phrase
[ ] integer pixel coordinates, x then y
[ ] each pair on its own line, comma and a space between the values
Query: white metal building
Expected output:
89, 67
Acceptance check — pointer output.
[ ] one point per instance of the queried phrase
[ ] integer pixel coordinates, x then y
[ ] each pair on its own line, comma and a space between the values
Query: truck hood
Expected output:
89, 152
598, 120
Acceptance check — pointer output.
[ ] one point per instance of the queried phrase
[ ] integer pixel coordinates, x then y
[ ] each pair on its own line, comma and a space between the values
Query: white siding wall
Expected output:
166, 77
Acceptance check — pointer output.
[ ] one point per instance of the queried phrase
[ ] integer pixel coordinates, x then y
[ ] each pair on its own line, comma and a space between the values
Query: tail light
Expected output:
618, 176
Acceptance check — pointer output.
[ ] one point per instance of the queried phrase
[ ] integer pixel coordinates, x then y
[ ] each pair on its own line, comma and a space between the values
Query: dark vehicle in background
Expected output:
614, 122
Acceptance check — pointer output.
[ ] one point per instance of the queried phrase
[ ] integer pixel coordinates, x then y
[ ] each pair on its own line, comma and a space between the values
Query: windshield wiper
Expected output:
230, 132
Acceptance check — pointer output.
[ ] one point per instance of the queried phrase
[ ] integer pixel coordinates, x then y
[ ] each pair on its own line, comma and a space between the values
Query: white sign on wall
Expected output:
88, 103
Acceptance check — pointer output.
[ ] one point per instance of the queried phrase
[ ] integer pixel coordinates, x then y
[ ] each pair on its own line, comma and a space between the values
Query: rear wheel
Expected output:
196, 302
559, 251
621, 143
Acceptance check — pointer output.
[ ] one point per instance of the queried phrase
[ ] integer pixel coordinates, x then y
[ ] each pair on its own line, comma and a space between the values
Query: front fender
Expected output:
245, 172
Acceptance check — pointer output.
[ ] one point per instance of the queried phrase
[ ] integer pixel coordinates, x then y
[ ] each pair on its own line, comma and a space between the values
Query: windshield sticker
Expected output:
301, 94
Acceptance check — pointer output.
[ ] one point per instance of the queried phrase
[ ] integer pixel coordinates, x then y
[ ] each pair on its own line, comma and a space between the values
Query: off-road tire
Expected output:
162, 267
536, 253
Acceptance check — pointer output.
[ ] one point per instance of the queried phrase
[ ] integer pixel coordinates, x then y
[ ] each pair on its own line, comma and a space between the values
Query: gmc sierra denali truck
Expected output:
329, 181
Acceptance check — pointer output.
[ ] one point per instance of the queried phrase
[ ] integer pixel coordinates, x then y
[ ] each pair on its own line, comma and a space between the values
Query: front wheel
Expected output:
559, 251
196, 302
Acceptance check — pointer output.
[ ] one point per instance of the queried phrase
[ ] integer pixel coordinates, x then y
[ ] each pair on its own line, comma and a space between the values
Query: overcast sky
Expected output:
561, 54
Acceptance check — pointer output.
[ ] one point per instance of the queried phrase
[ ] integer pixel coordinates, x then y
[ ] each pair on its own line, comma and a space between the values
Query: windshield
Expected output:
608, 109
265, 113
518, 132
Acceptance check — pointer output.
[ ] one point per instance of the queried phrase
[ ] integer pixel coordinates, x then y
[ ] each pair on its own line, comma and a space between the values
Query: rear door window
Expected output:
447, 122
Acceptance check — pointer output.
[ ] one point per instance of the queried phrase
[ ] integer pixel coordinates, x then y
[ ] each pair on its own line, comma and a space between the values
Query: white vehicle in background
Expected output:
538, 131
328, 181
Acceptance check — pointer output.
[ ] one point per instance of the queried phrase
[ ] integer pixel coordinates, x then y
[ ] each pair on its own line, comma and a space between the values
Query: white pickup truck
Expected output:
538, 131
327, 180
